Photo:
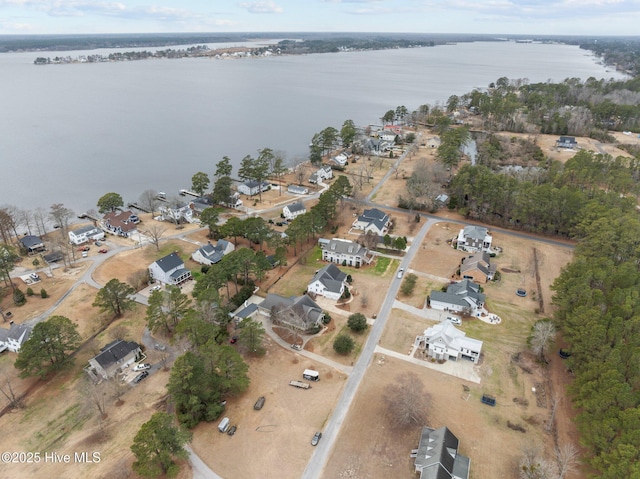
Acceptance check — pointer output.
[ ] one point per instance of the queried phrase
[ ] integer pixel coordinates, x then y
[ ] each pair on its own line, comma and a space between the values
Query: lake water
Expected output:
70, 133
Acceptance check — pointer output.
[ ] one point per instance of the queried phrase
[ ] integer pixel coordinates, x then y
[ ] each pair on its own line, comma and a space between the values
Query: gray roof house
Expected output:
445, 342
566, 142
478, 267
462, 297
299, 312
297, 190
32, 244
437, 456
294, 210
209, 254
373, 220
85, 233
252, 187
348, 253
328, 282
116, 355
474, 238
13, 338
169, 270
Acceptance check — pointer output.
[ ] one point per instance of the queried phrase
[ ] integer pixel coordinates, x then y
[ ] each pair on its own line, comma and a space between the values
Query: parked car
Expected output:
521, 292
103, 251
85, 254
34, 276
157, 287
140, 377
232, 430
141, 366
316, 438
233, 340
159, 347
454, 320
400, 272
259, 403
97, 243
297, 347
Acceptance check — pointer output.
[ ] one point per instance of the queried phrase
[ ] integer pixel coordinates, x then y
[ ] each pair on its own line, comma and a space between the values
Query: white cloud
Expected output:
261, 7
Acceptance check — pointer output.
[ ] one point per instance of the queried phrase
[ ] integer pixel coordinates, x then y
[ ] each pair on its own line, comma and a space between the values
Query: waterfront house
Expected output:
32, 244
233, 201
177, 212
85, 234
121, 223
251, 188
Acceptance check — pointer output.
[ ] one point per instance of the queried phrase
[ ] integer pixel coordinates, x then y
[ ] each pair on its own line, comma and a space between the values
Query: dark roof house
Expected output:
328, 282
116, 355
437, 456
31, 243
299, 312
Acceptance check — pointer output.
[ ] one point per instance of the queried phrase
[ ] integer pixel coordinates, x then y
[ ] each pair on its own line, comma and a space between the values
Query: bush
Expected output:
357, 322
29, 292
204, 268
349, 279
327, 318
408, 284
43, 293
18, 297
346, 294
245, 293
343, 344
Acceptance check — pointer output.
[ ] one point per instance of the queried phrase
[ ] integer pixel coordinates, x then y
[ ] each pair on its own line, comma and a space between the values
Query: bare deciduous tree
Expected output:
149, 201
566, 459
8, 392
154, 233
39, 216
139, 279
407, 401
300, 169
96, 396
119, 331
543, 334
532, 466
556, 399
61, 216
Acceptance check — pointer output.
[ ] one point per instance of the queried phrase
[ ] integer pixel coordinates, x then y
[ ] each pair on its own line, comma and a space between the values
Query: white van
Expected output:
311, 375
224, 425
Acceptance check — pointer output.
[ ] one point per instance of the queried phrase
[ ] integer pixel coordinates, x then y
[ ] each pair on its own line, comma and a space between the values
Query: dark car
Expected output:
140, 377
232, 430
316, 438
521, 292
233, 340
259, 403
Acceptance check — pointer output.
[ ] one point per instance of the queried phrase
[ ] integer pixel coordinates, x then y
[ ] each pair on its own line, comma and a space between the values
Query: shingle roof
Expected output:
30, 241
437, 455
295, 207
331, 278
114, 352
170, 262
83, 229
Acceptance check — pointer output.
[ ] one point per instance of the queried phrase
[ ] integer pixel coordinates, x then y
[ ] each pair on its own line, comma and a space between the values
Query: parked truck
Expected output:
299, 384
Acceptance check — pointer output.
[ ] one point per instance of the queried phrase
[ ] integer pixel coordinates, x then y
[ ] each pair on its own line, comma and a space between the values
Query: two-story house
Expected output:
344, 252
85, 234
445, 342
121, 223
292, 211
169, 270
329, 282
373, 220
209, 254
13, 338
115, 356
474, 238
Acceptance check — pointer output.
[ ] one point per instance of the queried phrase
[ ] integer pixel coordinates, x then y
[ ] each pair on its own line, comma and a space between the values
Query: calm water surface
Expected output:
70, 133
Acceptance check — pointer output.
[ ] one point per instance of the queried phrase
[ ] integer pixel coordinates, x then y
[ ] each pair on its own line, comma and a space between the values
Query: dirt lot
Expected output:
370, 446
277, 437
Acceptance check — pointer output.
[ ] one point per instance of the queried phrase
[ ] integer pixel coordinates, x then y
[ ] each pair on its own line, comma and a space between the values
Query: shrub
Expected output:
346, 294
18, 297
408, 284
343, 344
357, 322
349, 279
204, 268
327, 318
43, 293
29, 292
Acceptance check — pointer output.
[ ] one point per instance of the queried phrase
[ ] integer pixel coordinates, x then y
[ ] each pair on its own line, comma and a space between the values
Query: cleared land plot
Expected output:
436, 257
277, 437
401, 331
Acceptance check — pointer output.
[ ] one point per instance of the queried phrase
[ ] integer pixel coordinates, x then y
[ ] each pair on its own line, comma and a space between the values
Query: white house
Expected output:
233, 201
177, 212
474, 238
324, 173
340, 160
251, 187
445, 342
209, 254
297, 190
115, 356
437, 456
294, 210
169, 270
85, 234
462, 297
328, 282
387, 135
344, 252
13, 338
373, 220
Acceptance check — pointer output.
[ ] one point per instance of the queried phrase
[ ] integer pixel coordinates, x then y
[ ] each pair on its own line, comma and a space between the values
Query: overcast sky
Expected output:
553, 17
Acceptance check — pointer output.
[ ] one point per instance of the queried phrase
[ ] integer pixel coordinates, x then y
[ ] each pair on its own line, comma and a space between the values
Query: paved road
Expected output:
329, 435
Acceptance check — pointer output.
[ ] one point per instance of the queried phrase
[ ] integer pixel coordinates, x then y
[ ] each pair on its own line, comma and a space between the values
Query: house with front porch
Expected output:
373, 220
463, 297
444, 342
169, 270
568, 142
251, 187
233, 201
473, 238
209, 254
121, 223
85, 234
329, 282
344, 252
114, 357
437, 456
32, 244
177, 212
